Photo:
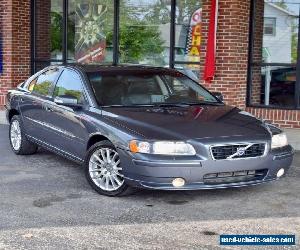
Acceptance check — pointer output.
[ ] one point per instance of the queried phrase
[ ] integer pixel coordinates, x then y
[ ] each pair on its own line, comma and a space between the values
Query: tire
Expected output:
103, 175
19, 143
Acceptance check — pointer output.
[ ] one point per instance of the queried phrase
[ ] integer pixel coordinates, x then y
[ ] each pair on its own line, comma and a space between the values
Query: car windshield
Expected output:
150, 88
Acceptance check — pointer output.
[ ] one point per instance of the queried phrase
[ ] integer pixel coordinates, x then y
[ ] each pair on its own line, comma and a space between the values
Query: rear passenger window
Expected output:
44, 82
31, 85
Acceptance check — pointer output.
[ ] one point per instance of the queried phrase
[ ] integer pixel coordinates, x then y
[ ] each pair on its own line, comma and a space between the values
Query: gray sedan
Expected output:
136, 126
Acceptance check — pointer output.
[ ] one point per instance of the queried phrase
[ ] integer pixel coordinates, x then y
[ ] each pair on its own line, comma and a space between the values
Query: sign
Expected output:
90, 40
194, 38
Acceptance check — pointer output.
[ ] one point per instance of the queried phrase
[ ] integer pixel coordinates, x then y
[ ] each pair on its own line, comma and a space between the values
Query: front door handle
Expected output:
48, 109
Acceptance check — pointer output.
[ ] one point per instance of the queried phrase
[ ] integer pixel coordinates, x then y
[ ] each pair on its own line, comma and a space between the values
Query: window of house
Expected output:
274, 60
269, 26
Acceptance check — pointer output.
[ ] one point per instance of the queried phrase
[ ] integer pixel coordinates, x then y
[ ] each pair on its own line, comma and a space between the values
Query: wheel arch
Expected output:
12, 113
96, 138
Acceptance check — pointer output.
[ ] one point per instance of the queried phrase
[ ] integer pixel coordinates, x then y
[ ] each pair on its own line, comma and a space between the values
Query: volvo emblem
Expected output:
240, 151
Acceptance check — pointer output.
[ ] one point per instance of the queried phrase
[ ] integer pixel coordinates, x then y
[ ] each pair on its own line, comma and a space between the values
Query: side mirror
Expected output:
69, 101
218, 95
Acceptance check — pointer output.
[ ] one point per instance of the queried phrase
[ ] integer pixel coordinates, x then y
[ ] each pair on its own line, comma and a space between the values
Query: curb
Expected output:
3, 117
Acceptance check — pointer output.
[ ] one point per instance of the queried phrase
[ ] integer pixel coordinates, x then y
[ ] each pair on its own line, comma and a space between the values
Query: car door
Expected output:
68, 133
32, 104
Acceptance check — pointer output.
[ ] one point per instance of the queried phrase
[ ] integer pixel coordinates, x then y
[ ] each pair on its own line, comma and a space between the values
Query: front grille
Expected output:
234, 177
238, 151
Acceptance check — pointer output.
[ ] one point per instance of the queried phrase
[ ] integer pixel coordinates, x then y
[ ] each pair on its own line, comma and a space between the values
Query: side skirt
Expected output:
56, 150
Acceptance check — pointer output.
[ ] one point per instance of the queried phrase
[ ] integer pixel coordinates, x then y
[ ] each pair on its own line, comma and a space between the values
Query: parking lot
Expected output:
46, 201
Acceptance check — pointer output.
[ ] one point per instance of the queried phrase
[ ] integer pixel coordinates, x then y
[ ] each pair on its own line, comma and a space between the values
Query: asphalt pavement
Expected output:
46, 203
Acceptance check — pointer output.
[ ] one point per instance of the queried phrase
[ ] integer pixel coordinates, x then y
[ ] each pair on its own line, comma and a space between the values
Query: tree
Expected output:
56, 32
282, 4
138, 38
185, 9
294, 42
136, 42
160, 11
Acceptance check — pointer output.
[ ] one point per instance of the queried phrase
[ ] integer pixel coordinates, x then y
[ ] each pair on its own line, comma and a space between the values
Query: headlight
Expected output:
161, 148
279, 140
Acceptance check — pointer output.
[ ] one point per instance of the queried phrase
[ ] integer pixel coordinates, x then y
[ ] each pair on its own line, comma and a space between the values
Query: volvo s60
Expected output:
143, 127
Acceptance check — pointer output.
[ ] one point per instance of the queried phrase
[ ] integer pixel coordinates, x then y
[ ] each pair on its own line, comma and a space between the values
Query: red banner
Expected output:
210, 60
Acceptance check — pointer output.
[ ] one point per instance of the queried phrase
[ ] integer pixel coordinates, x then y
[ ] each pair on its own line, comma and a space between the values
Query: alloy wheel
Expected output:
15, 135
105, 170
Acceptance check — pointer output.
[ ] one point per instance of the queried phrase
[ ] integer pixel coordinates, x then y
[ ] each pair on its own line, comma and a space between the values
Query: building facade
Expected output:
256, 46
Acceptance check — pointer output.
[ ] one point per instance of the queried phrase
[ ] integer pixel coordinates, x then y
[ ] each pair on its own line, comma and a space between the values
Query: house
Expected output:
278, 29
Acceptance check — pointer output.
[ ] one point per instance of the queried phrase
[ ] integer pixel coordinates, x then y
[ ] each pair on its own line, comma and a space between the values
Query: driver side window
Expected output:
69, 86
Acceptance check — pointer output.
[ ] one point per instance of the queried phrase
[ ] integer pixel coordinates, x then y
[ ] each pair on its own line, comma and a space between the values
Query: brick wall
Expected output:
257, 52
15, 31
232, 49
43, 22
281, 118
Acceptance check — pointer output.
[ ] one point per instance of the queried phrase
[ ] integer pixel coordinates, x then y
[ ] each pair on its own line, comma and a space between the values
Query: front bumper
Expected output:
159, 174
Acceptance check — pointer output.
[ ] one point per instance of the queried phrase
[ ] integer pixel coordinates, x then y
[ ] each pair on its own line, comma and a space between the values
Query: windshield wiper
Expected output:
158, 105
126, 106
205, 103
171, 105
185, 104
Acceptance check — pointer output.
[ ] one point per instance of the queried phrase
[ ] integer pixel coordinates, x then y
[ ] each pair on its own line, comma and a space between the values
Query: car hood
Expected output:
183, 123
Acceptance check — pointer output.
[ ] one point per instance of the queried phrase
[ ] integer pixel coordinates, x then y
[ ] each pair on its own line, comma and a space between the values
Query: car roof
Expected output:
90, 68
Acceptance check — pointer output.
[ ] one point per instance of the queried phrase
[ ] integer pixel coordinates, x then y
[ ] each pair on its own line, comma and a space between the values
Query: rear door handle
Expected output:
48, 109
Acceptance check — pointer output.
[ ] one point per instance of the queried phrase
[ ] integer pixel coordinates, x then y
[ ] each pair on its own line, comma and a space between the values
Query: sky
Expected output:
293, 5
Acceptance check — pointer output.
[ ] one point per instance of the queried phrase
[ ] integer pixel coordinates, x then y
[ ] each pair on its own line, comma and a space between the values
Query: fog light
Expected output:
280, 172
178, 182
